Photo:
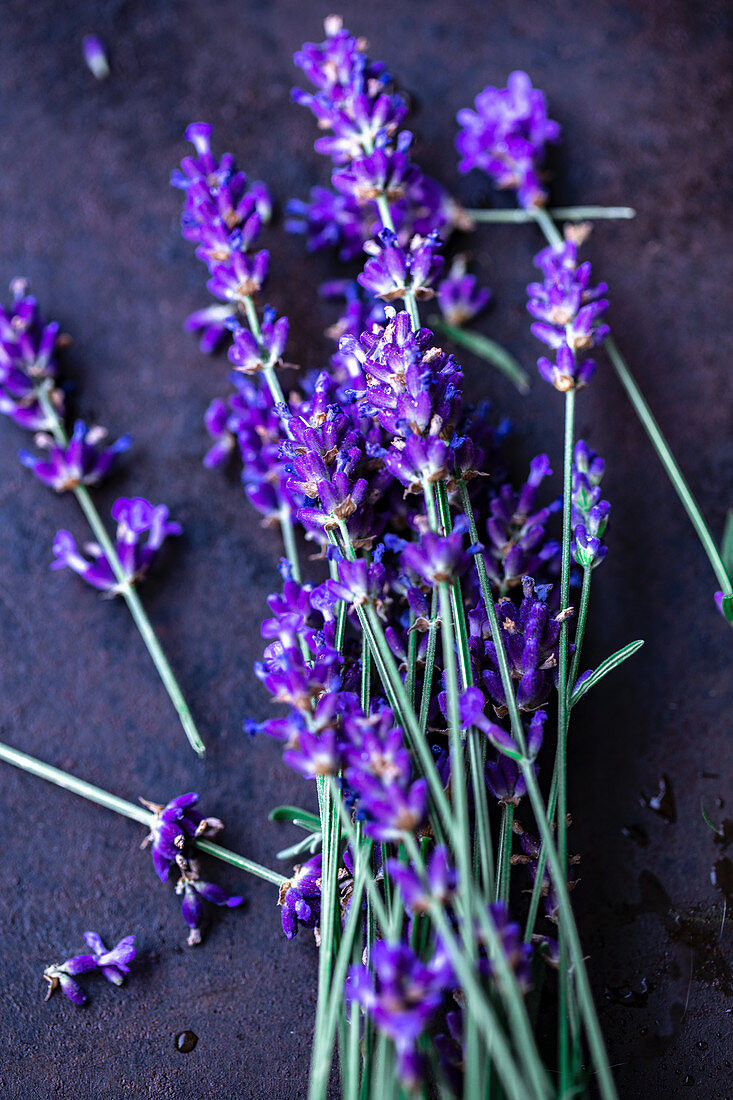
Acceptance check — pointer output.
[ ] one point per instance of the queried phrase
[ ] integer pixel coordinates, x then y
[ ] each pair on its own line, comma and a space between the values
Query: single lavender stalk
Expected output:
125, 586
564, 213
127, 809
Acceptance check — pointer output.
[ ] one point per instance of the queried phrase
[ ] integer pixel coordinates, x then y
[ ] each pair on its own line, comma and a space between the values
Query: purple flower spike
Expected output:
27, 360
114, 964
300, 897
136, 518
438, 559
589, 513
459, 297
393, 270
567, 311
83, 461
506, 135
418, 895
196, 893
402, 995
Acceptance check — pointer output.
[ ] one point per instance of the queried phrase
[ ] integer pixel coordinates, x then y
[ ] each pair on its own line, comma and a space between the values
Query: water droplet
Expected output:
702, 1045
186, 1041
688, 1080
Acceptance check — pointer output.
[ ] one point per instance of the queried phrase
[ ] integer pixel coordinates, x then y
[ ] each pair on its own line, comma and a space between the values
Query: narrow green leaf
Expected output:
726, 606
709, 822
726, 550
486, 349
605, 667
304, 819
310, 843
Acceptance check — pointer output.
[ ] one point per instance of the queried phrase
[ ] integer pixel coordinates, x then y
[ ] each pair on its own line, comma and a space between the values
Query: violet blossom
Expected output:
113, 965
459, 297
84, 460
567, 309
173, 826
589, 516
505, 136
519, 544
393, 271
438, 887
141, 531
196, 893
300, 897
27, 361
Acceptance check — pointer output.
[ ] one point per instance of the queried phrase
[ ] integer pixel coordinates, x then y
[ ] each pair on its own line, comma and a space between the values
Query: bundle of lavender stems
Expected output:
425, 641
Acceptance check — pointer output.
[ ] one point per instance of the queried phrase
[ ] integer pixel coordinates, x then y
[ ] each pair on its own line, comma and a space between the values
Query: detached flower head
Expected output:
173, 826
196, 893
114, 965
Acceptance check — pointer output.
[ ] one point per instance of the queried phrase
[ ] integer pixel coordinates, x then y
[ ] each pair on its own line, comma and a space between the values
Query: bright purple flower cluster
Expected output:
567, 309
589, 516
113, 965
84, 460
519, 544
300, 897
459, 297
27, 361
531, 634
506, 136
248, 423
395, 271
174, 828
222, 216
142, 528
402, 995
355, 103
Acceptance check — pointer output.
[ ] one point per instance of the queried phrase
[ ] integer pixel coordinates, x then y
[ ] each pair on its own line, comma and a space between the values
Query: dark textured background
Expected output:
643, 93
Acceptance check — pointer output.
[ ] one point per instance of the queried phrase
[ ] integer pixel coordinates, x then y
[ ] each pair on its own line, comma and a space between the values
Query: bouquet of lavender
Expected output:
433, 658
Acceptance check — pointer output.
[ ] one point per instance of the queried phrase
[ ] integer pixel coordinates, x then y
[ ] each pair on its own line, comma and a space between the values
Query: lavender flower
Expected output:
300, 897
27, 361
250, 355
394, 271
506, 136
83, 461
439, 559
459, 297
589, 513
95, 56
438, 887
196, 893
62, 977
567, 309
135, 517
114, 964
174, 825
519, 544
530, 634
402, 995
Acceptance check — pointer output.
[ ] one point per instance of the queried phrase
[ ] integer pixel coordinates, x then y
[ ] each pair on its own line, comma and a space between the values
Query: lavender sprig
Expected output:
29, 396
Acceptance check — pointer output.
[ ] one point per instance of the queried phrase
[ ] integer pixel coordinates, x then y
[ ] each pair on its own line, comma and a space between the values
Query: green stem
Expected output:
127, 809
125, 586
564, 990
427, 683
562, 213
580, 629
505, 850
410, 301
664, 453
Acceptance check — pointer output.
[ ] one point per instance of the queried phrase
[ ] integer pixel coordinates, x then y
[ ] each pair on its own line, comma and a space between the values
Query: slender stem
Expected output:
507, 836
427, 683
410, 301
562, 213
580, 629
127, 809
548, 227
669, 462
564, 991
125, 585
